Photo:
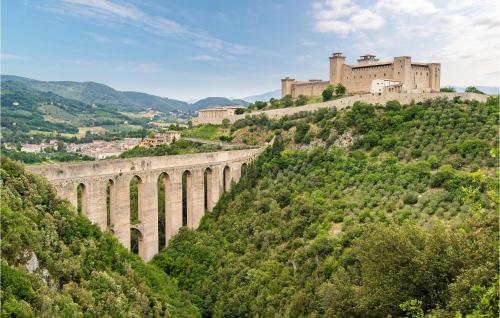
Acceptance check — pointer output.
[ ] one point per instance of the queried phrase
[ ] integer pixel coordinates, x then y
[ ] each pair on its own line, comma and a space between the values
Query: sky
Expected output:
190, 49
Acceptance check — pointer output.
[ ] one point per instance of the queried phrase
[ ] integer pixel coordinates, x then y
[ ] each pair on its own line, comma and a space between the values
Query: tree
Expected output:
340, 90
260, 104
61, 146
473, 89
301, 100
287, 101
226, 123
327, 93
239, 111
151, 134
448, 89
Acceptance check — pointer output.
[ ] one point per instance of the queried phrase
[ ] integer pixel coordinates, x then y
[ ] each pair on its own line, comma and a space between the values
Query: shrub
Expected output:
410, 198
473, 89
340, 90
327, 93
301, 100
448, 89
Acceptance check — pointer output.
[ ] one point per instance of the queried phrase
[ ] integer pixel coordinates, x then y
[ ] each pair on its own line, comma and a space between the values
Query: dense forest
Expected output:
401, 220
371, 211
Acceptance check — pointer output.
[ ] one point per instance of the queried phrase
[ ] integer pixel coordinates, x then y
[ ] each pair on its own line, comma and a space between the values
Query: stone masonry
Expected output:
93, 178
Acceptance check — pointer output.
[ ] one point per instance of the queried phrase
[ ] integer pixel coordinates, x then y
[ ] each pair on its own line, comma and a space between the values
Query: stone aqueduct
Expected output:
207, 175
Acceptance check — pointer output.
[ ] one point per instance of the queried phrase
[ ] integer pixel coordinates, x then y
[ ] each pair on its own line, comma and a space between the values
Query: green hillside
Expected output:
218, 101
401, 220
96, 93
26, 110
75, 270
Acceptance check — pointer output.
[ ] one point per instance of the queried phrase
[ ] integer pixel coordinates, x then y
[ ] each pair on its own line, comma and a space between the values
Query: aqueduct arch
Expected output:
106, 196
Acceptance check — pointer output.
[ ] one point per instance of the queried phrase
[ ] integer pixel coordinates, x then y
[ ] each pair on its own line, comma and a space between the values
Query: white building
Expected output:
381, 86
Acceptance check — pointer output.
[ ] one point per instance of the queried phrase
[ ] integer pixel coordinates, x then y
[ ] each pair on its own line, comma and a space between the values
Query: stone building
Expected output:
400, 75
214, 115
165, 138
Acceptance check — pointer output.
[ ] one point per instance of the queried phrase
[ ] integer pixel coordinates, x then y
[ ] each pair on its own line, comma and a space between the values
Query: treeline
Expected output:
178, 147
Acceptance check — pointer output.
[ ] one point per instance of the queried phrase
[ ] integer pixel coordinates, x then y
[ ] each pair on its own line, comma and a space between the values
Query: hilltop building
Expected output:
214, 115
371, 76
165, 138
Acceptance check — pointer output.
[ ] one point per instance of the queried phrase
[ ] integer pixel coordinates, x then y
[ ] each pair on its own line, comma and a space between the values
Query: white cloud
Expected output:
303, 58
14, 57
123, 13
203, 58
365, 19
412, 7
344, 16
106, 40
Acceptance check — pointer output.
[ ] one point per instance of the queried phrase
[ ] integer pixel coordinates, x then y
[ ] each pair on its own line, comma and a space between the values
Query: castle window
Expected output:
398, 73
384, 74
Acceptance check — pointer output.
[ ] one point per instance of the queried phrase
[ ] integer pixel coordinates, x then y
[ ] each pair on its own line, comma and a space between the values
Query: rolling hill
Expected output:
218, 101
96, 93
264, 96
25, 110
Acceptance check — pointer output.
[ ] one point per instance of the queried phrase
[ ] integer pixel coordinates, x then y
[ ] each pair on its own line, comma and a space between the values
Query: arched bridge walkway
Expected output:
190, 184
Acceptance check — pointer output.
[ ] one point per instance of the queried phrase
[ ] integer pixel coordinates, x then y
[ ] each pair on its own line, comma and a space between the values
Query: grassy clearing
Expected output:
209, 132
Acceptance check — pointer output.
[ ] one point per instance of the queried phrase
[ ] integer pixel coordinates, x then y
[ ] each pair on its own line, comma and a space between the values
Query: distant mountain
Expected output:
218, 101
263, 97
489, 90
95, 93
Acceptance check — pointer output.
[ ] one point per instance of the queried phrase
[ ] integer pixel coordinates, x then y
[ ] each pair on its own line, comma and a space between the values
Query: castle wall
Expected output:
359, 79
309, 88
403, 98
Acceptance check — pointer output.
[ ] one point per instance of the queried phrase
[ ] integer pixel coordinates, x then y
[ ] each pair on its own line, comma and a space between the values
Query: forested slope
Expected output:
56, 264
395, 213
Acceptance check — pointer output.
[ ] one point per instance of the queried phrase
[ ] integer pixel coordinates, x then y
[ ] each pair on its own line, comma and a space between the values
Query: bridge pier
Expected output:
120, 220
173, 206
94, 178
148, 217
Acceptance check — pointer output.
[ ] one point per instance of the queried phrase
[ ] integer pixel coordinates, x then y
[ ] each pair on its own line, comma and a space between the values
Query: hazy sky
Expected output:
189, 49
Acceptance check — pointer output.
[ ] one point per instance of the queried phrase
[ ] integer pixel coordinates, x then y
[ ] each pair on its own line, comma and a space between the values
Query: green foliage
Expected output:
76, 270
301, 100
208, 132
340, 90
327, 93
473, 89
44, 157
269, 249
176, 148
448, 89
260, 104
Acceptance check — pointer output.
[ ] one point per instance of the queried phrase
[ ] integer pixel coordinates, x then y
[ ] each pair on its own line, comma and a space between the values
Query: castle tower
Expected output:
286, 86
434, 77
402, 72
336, 65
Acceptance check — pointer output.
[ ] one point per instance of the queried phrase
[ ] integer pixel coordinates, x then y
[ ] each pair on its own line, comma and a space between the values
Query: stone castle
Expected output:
371, 76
